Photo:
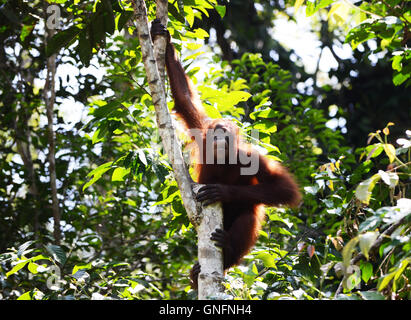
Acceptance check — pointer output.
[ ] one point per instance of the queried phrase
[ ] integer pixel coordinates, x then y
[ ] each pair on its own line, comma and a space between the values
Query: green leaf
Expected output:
221, 10
324, 3
33, 267
17, 267
386, 280
374, 150
25, 296
267, 259
396, 63
212, 112
390, 151
84, 48
340, 12
119, 174
174, 12
108, 16
366, 271
62, 39
81, 267
364, 189
359, 35
371, 295
97, 173
193, 46
265, 126
250, 275
353, 278
403, 265
189, 15
160, 171
370, 223
39, 257
266, 113
57, 253
100, 168
310, 9
400, 78
168, 199
142, 156
25, 31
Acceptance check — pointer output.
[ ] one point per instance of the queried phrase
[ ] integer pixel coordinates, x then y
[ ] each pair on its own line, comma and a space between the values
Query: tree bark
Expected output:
49, 99
207, 219
210, 257
161, 42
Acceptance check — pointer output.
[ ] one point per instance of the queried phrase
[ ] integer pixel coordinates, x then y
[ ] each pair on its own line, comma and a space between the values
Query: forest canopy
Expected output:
89, 206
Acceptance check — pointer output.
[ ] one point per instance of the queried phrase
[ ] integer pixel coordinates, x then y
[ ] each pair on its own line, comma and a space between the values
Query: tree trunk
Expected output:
209, 256
209, 218
49, 98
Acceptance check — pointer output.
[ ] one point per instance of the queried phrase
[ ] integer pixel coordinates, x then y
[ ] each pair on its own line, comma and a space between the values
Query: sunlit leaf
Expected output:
212, 112
267, 258
32, 267
354, 279
119, 174
25, 296
348, 251
97, 173
339, 11
366, 241
364, 189
390, 151
403, 265
386, 280
17, 267
396, 62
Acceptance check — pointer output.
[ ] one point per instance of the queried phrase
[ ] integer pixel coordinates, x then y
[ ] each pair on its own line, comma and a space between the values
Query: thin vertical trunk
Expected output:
161, 42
